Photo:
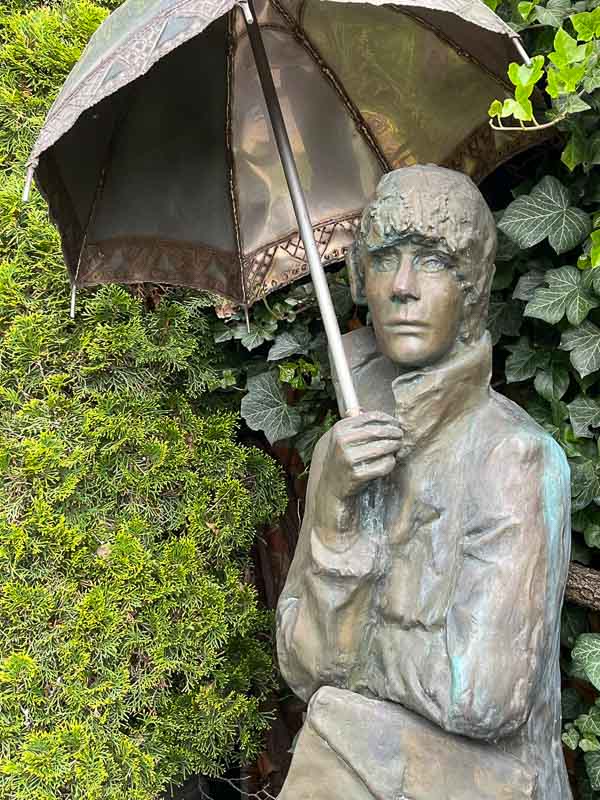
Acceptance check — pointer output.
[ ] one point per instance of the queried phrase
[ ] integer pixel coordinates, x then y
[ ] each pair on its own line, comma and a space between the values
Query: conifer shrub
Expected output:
132, 648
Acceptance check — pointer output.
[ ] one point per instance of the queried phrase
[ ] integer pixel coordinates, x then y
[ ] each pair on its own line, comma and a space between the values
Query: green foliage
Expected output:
554, 219
132, 648
565, 67
288, 392
545, 213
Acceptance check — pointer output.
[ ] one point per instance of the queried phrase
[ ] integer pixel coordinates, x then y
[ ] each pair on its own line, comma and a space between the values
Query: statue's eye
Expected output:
384, 262
434, 262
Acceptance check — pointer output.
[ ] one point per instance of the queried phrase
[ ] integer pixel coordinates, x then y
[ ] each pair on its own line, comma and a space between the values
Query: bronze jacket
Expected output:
444, 591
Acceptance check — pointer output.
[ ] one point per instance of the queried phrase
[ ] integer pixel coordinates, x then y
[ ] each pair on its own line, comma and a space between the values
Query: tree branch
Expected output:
583, 586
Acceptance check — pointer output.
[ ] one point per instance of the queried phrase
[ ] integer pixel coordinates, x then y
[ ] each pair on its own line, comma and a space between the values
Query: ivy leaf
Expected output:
587, 653
585, 484
550, 417
504, 319
589, 744
565, 294
591, 80
584, 787
519, 107
592, 536
592, 766
566, 50
571, 738
222, 332
525, 9
572, 103
546, 212
289, 343
525, 76
253, 339
583, 343
587, 24
553, 13
265, 408
528, 283
524, 361
589, 724
576, 152
552, 383
595, 257
585, 414
565, 81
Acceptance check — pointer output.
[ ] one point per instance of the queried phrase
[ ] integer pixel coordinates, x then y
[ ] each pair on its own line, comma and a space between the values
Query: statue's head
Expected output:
423, 261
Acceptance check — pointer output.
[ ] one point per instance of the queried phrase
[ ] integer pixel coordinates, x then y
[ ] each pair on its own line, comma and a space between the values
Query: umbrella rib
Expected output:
330, 75
409, 12
119, 122
233, 191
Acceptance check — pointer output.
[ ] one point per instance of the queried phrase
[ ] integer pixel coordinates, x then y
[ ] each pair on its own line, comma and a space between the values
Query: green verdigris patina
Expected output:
421, 613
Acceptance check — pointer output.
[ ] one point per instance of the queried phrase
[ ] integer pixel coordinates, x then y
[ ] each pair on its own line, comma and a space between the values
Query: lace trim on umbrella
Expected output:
485, 150
284, 261
140, 260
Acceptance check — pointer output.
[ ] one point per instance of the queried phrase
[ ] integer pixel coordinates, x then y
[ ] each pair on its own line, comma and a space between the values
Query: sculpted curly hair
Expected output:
441, 205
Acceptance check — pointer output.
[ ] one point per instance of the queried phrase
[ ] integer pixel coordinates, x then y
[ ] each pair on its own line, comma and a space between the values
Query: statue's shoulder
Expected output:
513, 433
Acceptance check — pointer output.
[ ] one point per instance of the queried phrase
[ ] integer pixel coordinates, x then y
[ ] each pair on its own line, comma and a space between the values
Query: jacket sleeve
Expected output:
503, 625
327, 590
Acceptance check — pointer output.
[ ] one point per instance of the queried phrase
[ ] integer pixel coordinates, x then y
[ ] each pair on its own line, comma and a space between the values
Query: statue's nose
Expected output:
406, 283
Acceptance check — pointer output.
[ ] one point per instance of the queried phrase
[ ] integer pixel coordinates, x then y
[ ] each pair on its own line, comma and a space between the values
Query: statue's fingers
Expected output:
376, 468
371, 433
372, 450
367, 419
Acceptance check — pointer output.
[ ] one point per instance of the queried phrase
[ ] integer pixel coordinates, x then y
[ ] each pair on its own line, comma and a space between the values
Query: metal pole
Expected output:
332, 329
522, 52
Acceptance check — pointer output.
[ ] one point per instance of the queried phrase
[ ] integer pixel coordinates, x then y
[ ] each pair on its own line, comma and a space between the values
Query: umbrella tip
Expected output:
28, 182
73, 299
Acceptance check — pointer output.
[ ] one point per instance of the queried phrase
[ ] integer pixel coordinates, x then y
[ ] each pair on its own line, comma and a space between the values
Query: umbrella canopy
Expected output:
157, 158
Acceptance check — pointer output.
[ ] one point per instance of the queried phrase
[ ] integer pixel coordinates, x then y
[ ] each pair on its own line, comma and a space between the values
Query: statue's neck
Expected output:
422, 399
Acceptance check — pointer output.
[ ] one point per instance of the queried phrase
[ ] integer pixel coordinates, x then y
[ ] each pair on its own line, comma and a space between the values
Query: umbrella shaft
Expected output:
317, 272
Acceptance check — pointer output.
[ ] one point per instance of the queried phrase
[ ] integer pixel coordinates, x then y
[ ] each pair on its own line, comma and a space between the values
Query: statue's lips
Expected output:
405, 326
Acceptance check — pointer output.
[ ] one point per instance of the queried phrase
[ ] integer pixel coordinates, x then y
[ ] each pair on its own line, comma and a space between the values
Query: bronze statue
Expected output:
421, 613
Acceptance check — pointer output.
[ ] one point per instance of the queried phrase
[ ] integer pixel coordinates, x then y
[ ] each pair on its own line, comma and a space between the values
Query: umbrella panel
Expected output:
418, 95
163, 210
337, 167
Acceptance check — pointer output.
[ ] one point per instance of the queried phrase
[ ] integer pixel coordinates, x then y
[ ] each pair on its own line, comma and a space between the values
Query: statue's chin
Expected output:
411, 352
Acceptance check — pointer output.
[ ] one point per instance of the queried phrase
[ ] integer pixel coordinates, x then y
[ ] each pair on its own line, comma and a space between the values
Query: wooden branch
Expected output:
583, 586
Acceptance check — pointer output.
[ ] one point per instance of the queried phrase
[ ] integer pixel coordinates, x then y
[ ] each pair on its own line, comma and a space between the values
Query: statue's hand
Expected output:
361, 449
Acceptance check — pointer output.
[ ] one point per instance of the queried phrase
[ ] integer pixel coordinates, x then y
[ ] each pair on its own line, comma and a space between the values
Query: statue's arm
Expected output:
503, 626
325, 590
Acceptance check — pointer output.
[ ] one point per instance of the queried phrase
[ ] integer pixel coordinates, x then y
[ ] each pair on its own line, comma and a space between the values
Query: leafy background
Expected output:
133, 649
118, 436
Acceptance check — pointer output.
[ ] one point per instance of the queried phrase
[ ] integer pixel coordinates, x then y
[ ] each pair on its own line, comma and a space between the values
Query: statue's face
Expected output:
415, 301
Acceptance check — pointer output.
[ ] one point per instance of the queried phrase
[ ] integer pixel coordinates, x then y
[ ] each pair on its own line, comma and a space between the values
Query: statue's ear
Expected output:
356, 275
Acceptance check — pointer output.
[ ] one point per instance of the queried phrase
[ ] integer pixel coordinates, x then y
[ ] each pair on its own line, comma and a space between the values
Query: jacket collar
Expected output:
424, 400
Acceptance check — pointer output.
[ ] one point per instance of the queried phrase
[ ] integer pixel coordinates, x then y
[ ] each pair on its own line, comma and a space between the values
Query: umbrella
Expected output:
157, 159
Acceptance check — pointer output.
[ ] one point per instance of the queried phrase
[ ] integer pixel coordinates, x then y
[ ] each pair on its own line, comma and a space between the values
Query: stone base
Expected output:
355, 748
